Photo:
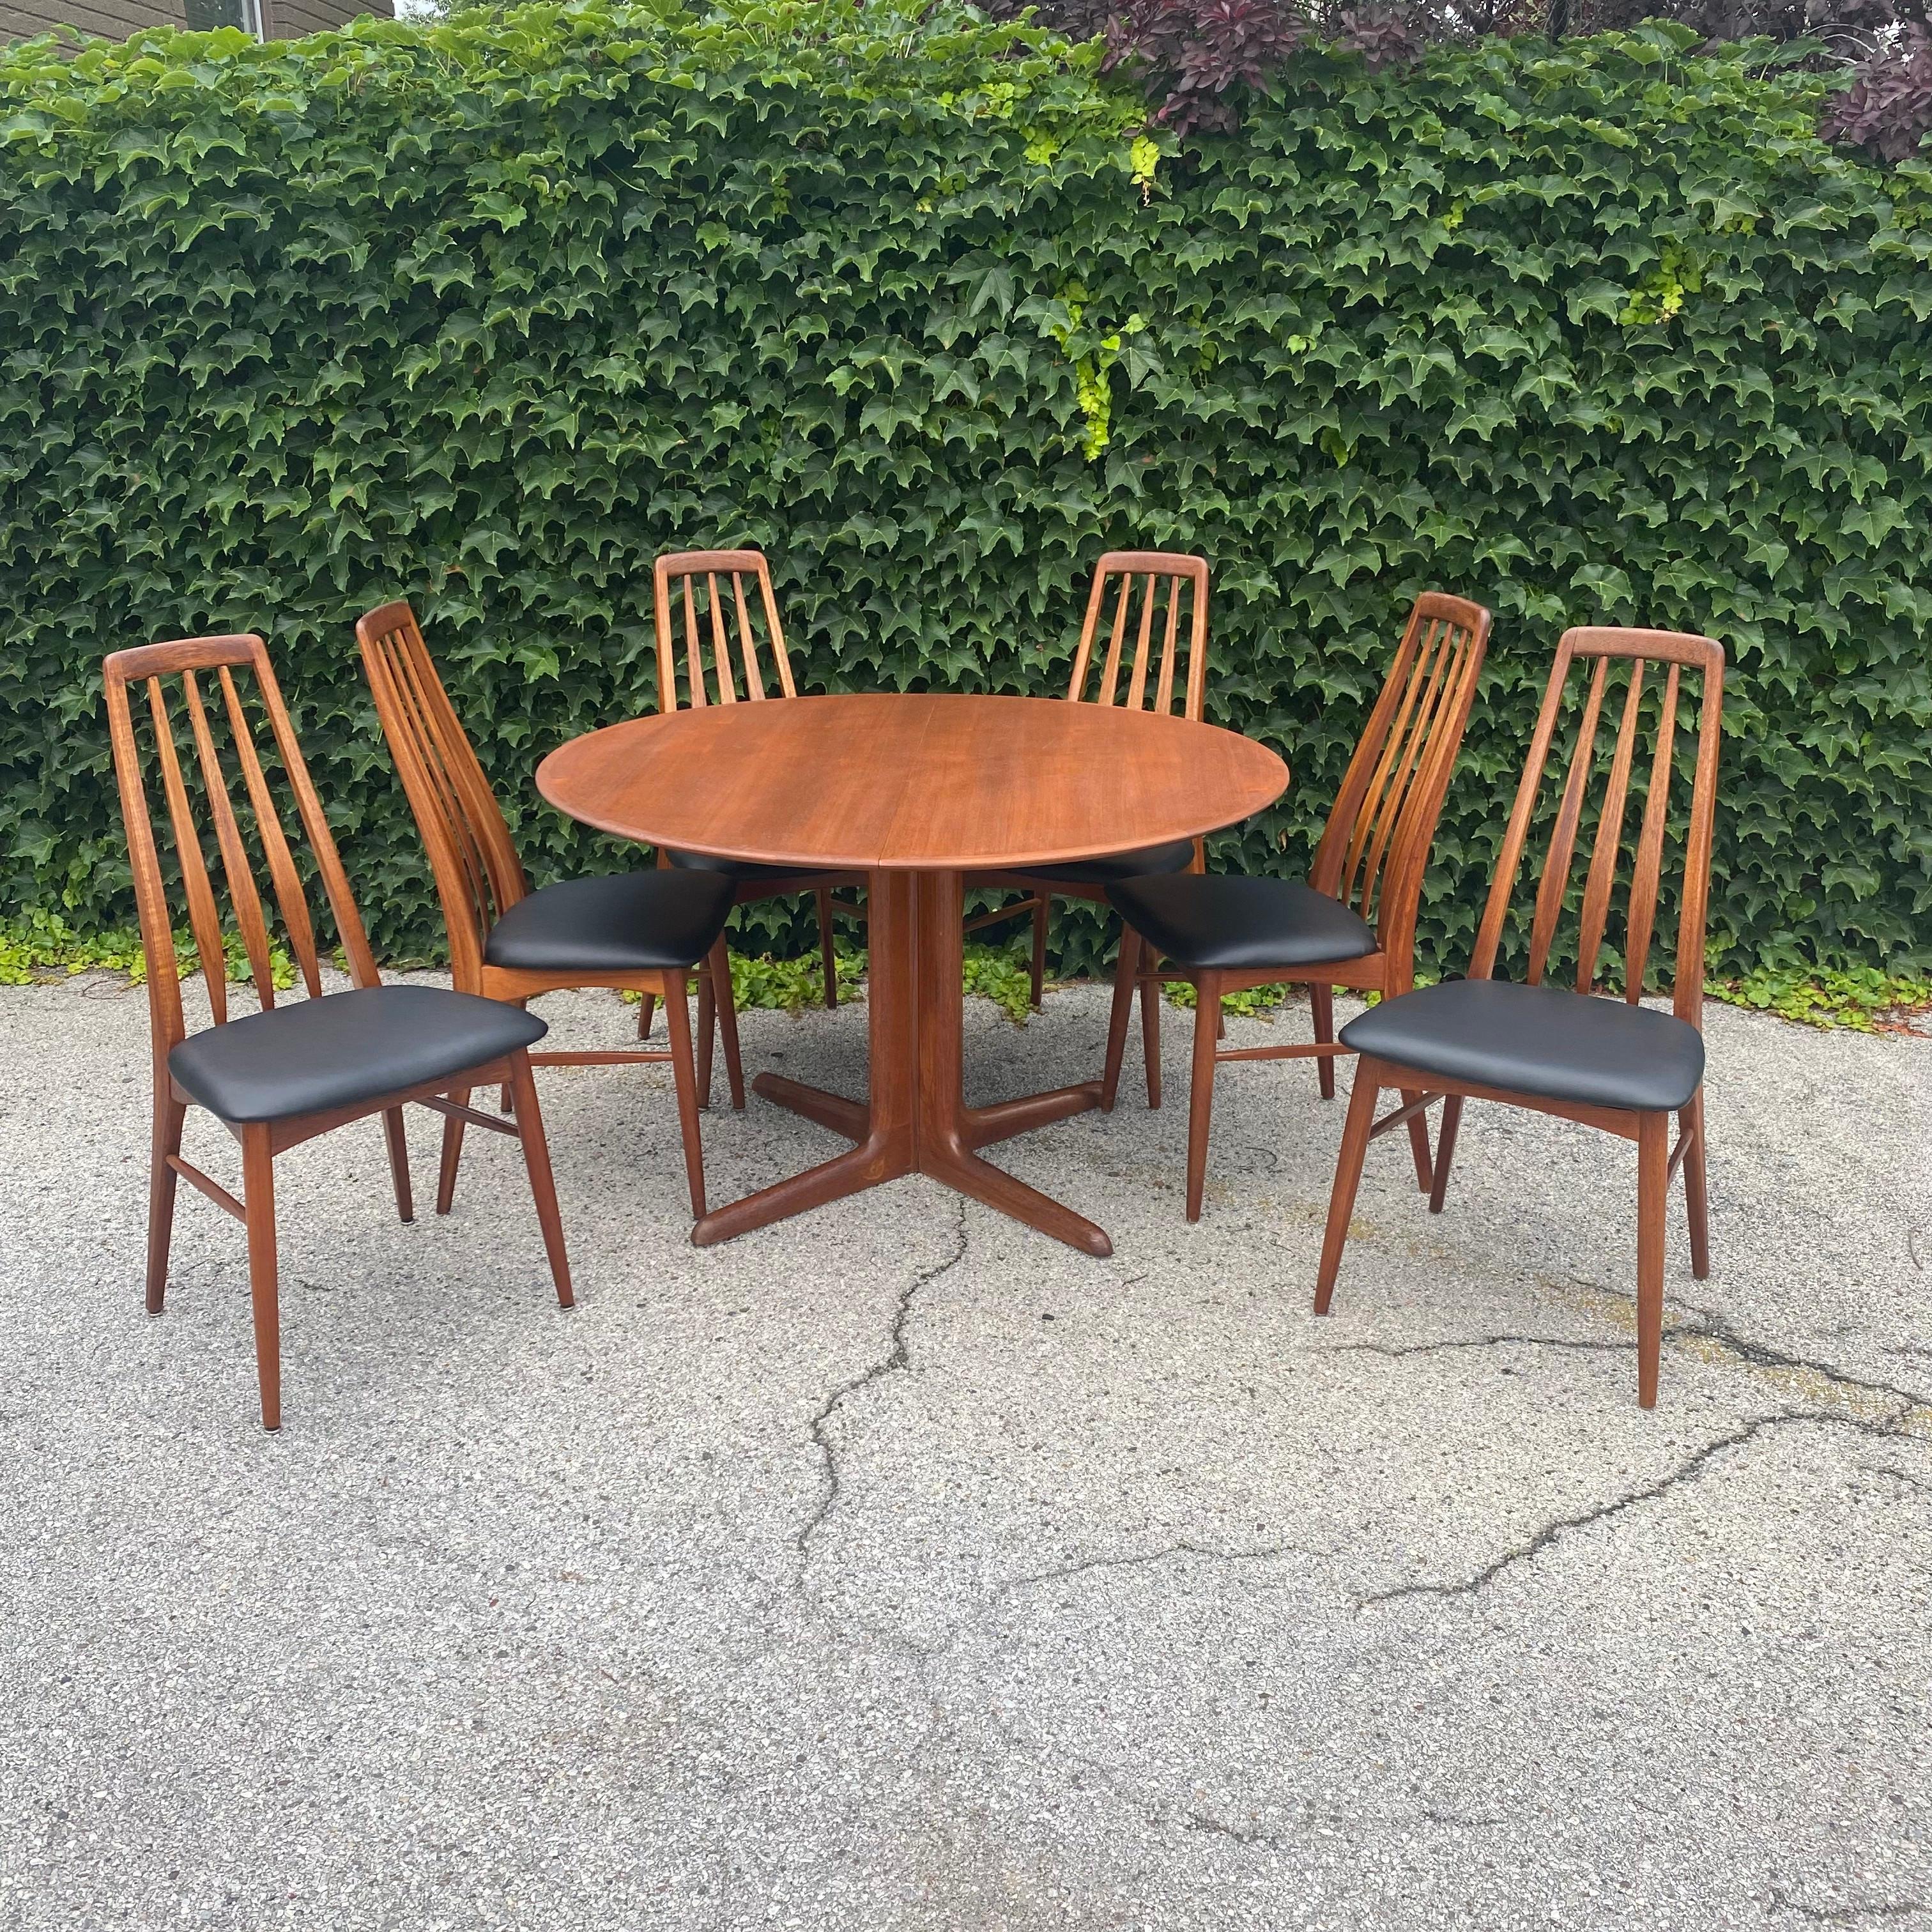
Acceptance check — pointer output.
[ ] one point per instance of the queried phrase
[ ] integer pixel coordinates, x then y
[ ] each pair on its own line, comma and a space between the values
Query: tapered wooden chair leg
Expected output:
536, 1161
169, 1115
452, 1153
1150, 1027
1127, 968
684, 1077
258, 1202
707, 1030
1036, 971
1653, 1189
828, 952
1418, 1141
399, 1161
727, 1004
1201, 1093
505, 1094
1322, 1007
647, 1008
1696, 1198
1348, 1178
1445, 1151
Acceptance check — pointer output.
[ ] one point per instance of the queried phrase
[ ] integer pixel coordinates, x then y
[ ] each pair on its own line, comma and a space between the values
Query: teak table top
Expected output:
889, 782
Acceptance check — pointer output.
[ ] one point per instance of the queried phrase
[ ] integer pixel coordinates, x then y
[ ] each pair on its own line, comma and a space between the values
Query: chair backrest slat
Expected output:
1648, 872
1602, 875
722, 668
1147, 578
1163, 702
237, 874
290, 900
235, 659
1554, 884
712, 660
1375, 849
1604, 649
471, 858
204, 916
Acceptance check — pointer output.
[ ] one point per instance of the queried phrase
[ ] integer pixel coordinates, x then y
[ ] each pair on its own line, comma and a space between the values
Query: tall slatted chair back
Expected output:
1375, 848
709, 628
478, 875
1641, 675
211, 734
1154, 605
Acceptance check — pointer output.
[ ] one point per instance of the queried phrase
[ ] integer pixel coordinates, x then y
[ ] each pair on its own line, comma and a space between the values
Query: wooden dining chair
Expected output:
715, 657
279, 1076
644, 932
1352, 924
1153, 658
1562, 1050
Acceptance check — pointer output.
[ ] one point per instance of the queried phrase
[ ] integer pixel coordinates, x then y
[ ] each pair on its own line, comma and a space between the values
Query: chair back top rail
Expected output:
1141, 586
1592, 651
1375, 848
472, 859
705, 589
227, 787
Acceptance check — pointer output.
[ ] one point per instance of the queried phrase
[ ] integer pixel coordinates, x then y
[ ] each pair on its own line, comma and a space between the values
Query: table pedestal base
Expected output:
915, 1120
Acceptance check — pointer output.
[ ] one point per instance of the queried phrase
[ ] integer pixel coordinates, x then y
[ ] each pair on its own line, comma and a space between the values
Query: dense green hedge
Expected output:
491, 311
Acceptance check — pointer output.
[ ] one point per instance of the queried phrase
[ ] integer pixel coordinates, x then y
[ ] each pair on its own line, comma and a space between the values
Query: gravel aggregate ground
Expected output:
897, 1567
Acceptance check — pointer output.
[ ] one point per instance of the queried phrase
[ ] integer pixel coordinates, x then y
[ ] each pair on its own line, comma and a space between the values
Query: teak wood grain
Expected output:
890, 782
478, 877
1139, 596
731, 643
1373, 854
1592, 650
912, 790
228, 786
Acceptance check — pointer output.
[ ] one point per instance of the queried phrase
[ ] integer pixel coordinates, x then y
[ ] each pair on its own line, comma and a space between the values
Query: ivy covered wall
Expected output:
489, 312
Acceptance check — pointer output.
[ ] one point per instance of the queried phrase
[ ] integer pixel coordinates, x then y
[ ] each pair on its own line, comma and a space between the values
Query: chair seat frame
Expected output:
1151, 666
1374, 851
479, 876
1659, 1161
732, 644
262, 1142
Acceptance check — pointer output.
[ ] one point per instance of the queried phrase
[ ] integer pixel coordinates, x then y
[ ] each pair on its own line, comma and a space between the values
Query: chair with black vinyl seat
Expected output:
1154, 655
1352, 924
294, 1070
646, 932
1609, 1063
724, 627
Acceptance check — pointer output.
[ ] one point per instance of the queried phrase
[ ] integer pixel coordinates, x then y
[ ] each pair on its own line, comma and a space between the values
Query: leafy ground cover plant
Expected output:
488, 312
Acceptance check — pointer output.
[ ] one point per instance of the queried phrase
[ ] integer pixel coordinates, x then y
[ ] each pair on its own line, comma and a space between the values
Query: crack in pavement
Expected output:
1688, 1470
896, 1357
1165, 1553
1395, 1351
1705, 1326
1910, 1481
1845, 1914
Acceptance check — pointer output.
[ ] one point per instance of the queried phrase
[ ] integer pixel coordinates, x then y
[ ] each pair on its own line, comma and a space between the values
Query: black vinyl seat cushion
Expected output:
1542, 1040
1231, 922
314, 1055
744, 870
1175, 856
630, 921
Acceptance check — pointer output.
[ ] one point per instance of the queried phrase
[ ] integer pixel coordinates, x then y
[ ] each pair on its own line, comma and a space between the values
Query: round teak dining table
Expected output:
916, 791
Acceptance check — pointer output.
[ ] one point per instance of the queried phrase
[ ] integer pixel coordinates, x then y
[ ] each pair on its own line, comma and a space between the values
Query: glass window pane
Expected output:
205, 15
